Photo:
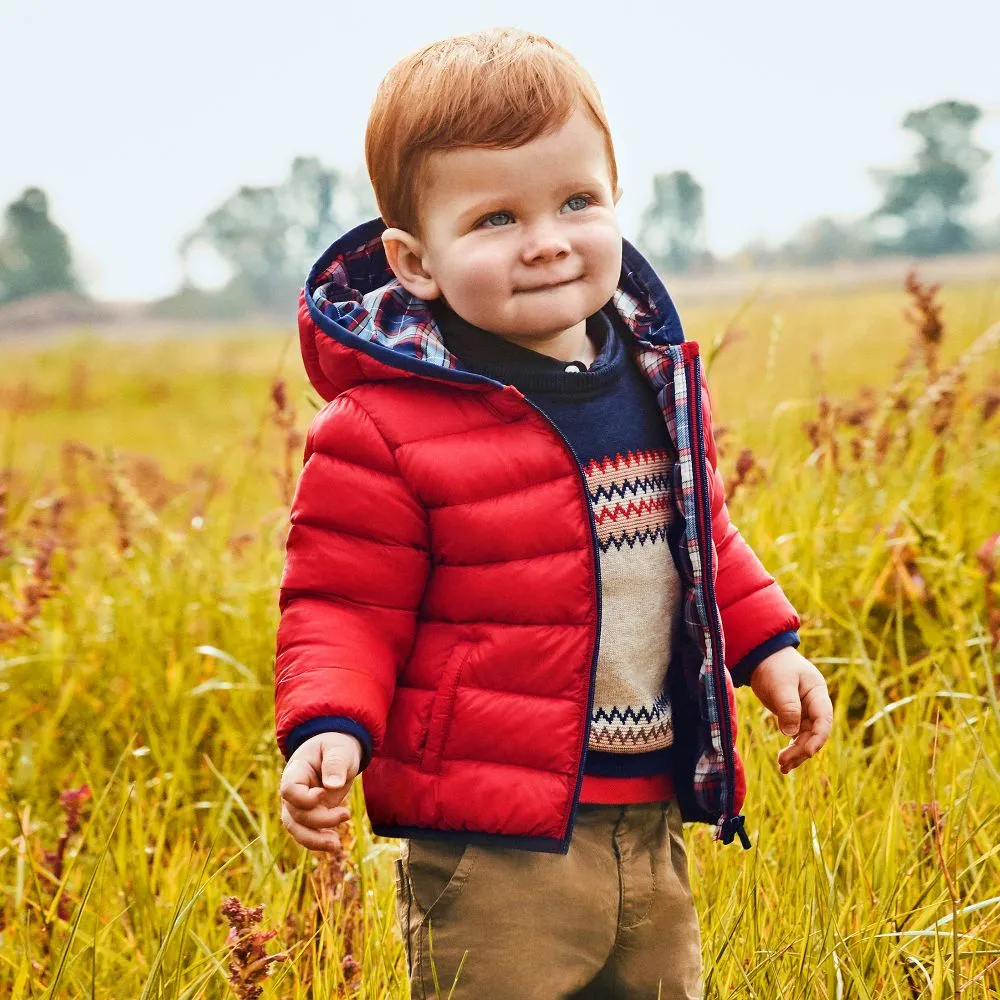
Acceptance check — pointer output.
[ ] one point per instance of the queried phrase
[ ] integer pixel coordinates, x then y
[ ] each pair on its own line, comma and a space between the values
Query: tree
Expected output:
824, 241
268, 236
35, 254
922, 208
672, 230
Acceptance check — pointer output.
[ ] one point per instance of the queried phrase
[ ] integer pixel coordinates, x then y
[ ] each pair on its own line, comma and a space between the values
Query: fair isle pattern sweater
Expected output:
611, 420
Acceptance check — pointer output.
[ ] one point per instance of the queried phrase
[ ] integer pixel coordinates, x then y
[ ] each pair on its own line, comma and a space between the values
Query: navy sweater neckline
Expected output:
489, 354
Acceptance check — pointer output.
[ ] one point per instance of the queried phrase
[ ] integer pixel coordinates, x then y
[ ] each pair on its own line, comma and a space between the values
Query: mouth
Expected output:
549, 285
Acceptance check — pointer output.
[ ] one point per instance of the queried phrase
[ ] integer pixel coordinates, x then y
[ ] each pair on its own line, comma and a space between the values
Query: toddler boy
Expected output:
512, 595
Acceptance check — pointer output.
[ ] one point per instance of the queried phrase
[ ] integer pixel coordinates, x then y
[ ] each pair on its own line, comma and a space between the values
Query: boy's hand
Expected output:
794, 690
315, 781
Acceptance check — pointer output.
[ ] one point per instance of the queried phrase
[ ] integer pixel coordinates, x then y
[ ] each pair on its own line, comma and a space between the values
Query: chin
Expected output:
545, 318
549, 328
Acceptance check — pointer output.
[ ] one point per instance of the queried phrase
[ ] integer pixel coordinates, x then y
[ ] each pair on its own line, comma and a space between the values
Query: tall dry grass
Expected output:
143, 502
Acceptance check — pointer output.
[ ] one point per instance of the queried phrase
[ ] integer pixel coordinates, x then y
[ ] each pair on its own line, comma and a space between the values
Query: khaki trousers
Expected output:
612, 918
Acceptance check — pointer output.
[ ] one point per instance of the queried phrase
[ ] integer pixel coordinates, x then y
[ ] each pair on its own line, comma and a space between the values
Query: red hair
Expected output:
495, 89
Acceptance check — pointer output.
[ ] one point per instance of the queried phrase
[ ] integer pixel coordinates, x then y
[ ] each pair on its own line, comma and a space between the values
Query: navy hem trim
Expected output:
602, 764
544, 845
330, 724
742, 671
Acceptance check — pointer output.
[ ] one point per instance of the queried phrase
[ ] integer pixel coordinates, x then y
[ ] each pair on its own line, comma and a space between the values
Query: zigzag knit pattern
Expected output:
633, 506
630, 498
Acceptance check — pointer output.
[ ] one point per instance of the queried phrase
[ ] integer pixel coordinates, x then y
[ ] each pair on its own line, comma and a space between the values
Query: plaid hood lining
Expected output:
353, 287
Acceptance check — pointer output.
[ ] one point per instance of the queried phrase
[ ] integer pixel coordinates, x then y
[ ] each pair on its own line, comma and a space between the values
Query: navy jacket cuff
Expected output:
330, 724
742, 671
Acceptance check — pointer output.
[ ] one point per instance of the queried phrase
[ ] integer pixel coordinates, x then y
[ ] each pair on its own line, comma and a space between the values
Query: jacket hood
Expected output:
358, 324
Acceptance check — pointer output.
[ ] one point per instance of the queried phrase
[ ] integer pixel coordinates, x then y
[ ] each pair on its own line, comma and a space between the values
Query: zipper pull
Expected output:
733, 827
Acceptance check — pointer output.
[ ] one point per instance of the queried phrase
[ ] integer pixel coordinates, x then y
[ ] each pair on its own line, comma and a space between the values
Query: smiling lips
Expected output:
551, 284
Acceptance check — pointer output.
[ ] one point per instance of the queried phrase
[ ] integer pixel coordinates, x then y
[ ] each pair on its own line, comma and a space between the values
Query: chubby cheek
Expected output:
602, 251
473, 284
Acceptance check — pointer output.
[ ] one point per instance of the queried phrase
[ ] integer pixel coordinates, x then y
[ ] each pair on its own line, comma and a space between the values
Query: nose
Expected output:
544, 242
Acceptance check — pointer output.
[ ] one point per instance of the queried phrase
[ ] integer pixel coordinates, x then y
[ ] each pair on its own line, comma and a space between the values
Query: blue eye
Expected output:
583, 200
489, 220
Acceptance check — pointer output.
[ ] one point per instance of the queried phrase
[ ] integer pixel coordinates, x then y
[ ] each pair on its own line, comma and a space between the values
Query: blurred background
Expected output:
818, 186
190, 160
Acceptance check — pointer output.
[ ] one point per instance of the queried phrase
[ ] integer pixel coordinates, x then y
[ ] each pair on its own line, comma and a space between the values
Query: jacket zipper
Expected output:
597, 635
731, 825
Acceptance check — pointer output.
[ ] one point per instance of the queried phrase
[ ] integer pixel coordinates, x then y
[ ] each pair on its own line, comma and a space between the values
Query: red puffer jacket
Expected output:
440, 596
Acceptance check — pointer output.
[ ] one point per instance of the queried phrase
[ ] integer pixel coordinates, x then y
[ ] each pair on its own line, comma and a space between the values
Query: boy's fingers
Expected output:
816, 702
298, 784
319, 818
314, 840
810, 741
793, 755
797, 752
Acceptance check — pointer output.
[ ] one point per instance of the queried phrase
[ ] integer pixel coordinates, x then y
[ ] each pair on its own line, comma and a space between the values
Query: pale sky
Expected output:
139, 118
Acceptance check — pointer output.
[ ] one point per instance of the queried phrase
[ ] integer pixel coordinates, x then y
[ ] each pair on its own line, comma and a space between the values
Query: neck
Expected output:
568, 345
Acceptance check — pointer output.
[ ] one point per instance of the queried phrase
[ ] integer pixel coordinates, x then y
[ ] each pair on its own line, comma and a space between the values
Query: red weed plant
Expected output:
331, 897
41, 583
747, 473
822, 432
71, 455
723, 433
283, 417
205, 485
119, 508
901, 576
988, 556
148, 478
249, 963
25, 398
989, 398
335, 881
881, 425
237, 544
117, 502
71, 800
6, 542
926, 318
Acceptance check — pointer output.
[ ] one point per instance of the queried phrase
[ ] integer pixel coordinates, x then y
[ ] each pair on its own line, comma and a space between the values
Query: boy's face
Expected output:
522, 242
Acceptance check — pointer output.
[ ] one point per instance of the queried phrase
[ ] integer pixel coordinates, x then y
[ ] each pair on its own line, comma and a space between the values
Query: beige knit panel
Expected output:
640, 592
641, 595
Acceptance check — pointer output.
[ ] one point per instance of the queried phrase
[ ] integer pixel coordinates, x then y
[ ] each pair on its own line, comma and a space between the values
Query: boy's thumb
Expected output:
334, 770
789, 719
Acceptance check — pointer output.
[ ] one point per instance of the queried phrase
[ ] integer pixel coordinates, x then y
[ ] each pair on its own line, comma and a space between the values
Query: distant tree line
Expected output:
35, 255
922, 212
264, 238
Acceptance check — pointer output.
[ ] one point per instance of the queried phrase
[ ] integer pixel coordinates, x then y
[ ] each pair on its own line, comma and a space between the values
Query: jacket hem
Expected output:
546, 845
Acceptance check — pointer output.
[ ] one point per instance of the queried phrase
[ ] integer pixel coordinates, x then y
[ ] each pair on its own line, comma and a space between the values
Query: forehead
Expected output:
573, 153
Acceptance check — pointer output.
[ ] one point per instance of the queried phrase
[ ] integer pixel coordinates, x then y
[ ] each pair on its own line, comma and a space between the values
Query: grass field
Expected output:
145, 492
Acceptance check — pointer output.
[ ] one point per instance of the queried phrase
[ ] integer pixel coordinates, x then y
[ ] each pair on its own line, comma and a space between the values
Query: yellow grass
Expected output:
140, 551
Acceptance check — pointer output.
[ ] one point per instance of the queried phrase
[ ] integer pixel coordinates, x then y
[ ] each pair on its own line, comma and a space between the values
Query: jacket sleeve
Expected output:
355, 568
757, 617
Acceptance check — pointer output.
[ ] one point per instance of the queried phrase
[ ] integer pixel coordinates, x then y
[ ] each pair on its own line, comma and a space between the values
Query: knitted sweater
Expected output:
611, 420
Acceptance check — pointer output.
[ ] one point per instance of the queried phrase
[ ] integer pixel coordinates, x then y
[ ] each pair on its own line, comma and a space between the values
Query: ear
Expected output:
405, 254
618, 194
